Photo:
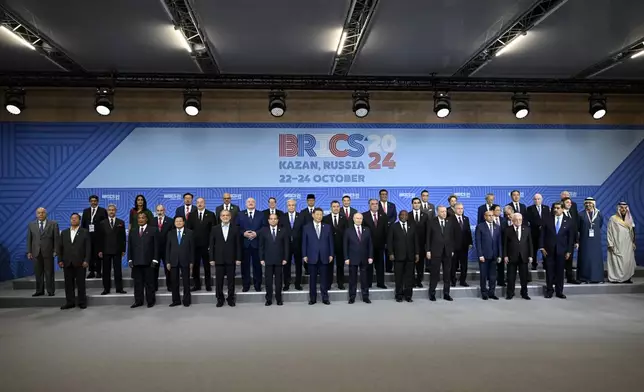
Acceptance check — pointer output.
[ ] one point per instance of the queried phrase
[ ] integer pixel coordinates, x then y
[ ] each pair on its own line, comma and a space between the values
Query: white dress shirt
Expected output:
73, 233
224, 230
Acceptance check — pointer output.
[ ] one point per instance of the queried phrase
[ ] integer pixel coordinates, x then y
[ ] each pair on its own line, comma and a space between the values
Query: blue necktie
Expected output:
292, 220
273, 234
558, 225
179, 237
42, 227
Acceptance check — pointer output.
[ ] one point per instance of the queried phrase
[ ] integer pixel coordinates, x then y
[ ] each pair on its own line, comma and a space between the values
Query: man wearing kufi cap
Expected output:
621, 245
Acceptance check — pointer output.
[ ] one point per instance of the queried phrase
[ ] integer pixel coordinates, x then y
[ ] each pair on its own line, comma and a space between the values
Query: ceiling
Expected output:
404, 38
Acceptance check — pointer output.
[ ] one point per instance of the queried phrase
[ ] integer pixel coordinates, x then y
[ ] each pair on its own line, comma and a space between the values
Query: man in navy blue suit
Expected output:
273, 252
489, 203
556, 244
488, 249
250, 222
358, 254
317, 251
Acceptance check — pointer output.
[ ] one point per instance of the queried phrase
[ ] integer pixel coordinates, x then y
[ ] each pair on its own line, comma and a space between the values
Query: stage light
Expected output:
442, 104
17, 37
520, 105
104, 102
597, 103
361, 104
277, 103
182, 38
14, 100
510, 44
192, 102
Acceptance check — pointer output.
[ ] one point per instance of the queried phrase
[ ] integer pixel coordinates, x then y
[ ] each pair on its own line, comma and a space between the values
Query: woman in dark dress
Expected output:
140, 205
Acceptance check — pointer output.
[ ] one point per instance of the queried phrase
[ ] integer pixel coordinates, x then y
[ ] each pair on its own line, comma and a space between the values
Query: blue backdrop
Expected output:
58, 165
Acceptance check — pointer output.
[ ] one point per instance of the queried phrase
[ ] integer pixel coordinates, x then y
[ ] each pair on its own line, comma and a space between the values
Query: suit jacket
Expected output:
403, 246
75, 253
523, 210
162, 233
357, 250
451, 212
255, 224
379, 232
488, 245
295, 233
46, 243
225, 251
181, 211
480, 215
201, 228
142, 249
515, 249
439, 241
574, 221
272, 252
234, 211
86, 220
267, 213
463, 238
338, 232
534, 220
557, 244
317, 249
112, 240
430, 211
392, 215
420, 228
573, 206
306, 215
180, 255
352, 212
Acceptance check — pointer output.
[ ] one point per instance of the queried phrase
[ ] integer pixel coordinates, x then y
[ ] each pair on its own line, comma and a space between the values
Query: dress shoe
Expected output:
220, 303
562, 296
105, 292
172, 305
447, 297
574, 282
258, 289
186, 304
501, 284
340, 287
67, 306
298, 287
419, 285
399, 299
453, 284
286, 288
231, 303
548, 295
629, 281
526, 297
465, 284
408, 299
51, 294
366, 300
194, 288
381, 286
245, 289
326, 302
280, 303
121, 291
484, 297
312, 302
432, 297
352, 300
91, 275
208, 288
99, 275
135, 305
37, 294
509, 297
151, 304
494, 297
534, 267
268, 303
83, 306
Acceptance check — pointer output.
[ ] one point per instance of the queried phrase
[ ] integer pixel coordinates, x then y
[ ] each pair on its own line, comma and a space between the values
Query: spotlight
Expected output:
442, 104
361, 104
104, 102
520, 105
277, 103
14, 100
597, 103
192, 102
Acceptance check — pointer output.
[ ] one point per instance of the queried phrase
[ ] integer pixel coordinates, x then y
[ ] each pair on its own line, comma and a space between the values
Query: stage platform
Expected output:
17, 293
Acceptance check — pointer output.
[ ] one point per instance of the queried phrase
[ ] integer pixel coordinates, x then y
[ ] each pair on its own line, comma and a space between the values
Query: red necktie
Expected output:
359, 234
375, 219
160, 223
141, 232
187, 212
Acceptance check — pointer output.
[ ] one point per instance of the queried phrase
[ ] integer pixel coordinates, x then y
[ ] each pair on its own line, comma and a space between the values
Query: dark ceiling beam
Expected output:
539, 11
185, 20
624, 54
298, 82
353, 33
37, 41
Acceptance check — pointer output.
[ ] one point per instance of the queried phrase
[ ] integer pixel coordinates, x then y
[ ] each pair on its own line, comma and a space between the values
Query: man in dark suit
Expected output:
250, 223
228, 206
358, 254
389, 210
317, 252
273, 251
291, 223
489, 203
488, 250
347, 211
187, 208
516, 204
425, 206
441, 234
570, 211
517, 253
505, 222
307, 213
73, 257
180, 254
377, 223
556, 244
43, 241
537, 214
164, 225
201, 223
338, 224
111, 248
565, 195
462, 245
225, 255
451, 209
419, 220
142, 255
272, 209
402, 246
92, 217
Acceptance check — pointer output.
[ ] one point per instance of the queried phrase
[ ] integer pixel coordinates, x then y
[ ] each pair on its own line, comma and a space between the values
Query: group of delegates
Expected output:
266, 244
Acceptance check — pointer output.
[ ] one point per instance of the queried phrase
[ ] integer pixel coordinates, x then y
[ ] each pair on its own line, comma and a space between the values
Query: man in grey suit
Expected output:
43, 238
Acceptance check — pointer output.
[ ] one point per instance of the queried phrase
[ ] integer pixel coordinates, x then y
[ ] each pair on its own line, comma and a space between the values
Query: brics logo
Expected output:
339, 145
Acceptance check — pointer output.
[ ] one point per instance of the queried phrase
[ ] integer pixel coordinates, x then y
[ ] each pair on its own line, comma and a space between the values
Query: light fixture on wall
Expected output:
191, 102
361, 104
14, 100
277, 103
442, 104
520, 105
597, 106
104, 101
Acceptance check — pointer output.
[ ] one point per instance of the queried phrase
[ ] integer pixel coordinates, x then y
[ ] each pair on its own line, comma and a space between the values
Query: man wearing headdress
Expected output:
621, 245
590, 264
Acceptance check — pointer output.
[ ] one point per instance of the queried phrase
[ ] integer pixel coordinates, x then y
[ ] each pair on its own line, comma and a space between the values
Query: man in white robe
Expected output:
621, 246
